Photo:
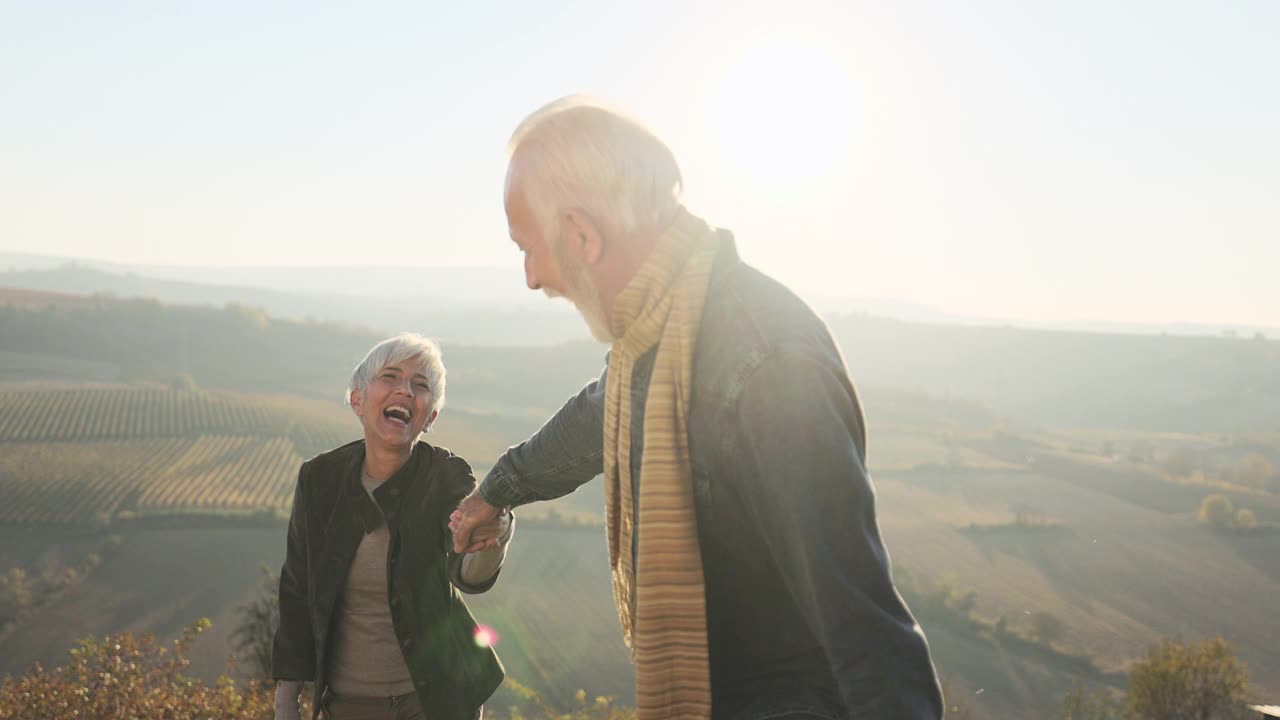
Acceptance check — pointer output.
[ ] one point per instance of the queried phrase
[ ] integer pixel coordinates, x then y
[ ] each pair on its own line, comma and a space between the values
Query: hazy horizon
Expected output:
506, 294
1050, 164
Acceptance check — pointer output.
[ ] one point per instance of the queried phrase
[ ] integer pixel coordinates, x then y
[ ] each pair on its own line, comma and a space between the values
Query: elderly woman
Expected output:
369, 603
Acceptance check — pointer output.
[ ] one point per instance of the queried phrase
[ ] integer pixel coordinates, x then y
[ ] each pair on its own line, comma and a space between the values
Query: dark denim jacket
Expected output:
802, 613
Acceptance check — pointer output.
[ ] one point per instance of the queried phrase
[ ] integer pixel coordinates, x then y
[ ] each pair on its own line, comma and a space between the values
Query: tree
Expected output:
1046, 627
183, 383
1256, 471
1142, 451
962, 602
1026, 516
1216, 511
1245, 519
1080, 704
15, 592
259, 618
1184, 681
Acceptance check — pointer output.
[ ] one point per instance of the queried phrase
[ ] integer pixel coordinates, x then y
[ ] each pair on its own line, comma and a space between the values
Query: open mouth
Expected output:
398, 414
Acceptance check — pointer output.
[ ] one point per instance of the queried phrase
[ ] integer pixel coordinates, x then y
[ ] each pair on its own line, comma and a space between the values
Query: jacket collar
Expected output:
389, 495
726, 259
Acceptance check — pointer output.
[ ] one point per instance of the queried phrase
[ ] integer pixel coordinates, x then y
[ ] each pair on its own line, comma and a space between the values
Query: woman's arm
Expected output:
478, 571
293, 650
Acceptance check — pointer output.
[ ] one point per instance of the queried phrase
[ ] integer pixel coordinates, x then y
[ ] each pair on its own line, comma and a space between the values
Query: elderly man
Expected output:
748, 569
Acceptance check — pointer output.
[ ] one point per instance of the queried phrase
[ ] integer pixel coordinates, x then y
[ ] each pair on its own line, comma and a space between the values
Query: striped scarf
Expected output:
661, 600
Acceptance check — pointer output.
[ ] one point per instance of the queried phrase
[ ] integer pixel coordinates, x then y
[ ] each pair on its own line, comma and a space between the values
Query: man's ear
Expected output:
582, 236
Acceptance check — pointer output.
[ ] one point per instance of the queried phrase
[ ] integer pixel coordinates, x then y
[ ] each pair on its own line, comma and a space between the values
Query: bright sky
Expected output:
1039, 161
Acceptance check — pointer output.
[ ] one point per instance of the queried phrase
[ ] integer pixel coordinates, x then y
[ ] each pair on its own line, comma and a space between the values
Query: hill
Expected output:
101, 453
98, 454
147, 451
1118, 576
309, 292
462, 305
467, 287
1120, 562
1048, 379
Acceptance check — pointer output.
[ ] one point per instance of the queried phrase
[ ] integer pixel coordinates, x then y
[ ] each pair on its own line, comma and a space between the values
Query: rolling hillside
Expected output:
1050, 379
1119, 577
178, 431
96, 455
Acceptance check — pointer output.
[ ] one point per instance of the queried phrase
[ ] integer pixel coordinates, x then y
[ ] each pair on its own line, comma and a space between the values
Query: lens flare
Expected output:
486, 636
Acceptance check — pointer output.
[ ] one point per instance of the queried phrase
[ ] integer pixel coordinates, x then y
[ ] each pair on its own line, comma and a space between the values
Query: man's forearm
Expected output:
559, 458
506, 486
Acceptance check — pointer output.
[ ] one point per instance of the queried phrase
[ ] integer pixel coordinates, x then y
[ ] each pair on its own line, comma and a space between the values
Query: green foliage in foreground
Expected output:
1187, 681
124, 676
121, 676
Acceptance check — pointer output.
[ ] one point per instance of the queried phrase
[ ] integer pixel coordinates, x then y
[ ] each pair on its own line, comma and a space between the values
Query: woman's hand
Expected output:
287, 700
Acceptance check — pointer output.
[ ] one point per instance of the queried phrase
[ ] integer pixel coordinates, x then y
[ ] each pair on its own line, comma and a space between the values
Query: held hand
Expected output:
489, 535
476, 525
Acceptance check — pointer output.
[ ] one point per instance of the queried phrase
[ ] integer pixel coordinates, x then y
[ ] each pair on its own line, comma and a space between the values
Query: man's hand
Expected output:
476, 525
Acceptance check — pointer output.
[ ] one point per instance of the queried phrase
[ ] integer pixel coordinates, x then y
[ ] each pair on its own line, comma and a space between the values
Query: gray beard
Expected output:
582, 292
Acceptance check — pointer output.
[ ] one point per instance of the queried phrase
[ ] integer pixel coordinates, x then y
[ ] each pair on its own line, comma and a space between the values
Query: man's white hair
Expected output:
400, 348
577, 154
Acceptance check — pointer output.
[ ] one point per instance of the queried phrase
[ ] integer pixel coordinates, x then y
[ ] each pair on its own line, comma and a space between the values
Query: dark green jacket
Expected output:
331, 513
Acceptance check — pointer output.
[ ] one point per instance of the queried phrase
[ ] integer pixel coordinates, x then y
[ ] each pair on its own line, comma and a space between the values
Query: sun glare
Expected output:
783, 115
485, 636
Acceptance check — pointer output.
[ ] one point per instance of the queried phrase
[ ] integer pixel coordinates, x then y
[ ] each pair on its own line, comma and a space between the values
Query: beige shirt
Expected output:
367, 660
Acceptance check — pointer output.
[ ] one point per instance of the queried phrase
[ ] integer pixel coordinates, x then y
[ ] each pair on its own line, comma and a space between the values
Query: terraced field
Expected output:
91, 455
113, 413
1129, 564
94, 455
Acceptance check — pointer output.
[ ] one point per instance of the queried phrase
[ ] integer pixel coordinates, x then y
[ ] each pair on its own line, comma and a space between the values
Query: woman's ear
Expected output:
354, 401
582, 236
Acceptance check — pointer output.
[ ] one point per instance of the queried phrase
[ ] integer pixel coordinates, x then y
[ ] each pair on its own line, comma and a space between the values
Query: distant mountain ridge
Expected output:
466, 286
454, 318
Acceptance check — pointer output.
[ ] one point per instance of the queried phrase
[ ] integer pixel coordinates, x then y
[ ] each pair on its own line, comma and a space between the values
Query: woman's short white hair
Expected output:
575, 153
400, 348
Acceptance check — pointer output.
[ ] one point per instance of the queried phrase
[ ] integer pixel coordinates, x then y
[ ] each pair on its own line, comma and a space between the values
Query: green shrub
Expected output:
125, 677
1216, 511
